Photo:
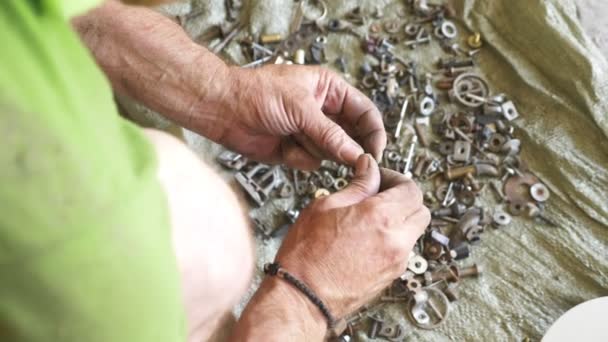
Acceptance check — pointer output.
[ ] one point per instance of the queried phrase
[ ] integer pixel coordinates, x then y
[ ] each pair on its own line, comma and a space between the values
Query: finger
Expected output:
356, 109
309, 146
296, 157
364, 185
330, 138
396, 187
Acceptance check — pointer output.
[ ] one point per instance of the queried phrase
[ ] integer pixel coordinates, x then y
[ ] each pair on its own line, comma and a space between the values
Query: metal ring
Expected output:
449, 30
427, 106
539, 192
323, 6
340, 184
444, 299
469, 89
501, 218
412, 29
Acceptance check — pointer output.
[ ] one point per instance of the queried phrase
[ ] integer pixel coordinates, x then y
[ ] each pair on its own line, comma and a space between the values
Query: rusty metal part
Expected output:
486, 170
471, 271
517, 188
496, 142
422, 134
517, 208
459, 172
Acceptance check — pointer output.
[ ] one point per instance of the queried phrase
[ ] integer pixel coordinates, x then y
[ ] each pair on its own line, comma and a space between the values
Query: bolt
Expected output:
450, 274
471, 271
375, 327
475, 41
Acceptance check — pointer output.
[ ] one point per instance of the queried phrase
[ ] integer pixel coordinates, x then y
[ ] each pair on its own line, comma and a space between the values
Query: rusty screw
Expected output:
471, 271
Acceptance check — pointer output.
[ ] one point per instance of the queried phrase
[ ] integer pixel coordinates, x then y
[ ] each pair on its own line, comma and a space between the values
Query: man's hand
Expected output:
300, 115
346, 247
295, 115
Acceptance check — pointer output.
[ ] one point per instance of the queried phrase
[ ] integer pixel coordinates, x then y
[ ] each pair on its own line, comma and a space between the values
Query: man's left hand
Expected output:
300, 115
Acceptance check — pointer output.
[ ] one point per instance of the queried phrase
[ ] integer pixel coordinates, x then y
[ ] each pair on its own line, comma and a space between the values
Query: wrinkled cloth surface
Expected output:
535, 51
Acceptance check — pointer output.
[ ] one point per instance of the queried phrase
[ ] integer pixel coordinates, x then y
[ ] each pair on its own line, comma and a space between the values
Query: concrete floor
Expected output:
594, 17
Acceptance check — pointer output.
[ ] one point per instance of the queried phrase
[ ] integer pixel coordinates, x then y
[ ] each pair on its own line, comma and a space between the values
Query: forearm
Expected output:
149, 58
278, 312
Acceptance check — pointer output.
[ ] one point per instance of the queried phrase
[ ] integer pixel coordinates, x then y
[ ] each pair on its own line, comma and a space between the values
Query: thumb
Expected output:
331, 139
365, 184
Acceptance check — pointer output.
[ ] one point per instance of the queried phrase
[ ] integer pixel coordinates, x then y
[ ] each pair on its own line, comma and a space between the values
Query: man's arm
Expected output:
149, 58
346, 247
296, 115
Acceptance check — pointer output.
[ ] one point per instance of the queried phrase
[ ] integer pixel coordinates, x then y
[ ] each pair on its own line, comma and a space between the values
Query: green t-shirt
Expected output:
85, 245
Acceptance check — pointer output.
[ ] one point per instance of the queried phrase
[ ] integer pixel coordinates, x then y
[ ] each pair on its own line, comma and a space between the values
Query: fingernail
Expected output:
363, 164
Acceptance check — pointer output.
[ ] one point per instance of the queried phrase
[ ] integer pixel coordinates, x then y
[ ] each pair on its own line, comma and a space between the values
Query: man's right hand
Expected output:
346, 247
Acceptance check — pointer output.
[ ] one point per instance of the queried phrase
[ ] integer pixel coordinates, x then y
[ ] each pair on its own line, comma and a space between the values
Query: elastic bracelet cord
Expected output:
275, 268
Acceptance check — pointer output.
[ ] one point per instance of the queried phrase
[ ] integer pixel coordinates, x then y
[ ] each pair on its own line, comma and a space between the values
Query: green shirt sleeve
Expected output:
85, 245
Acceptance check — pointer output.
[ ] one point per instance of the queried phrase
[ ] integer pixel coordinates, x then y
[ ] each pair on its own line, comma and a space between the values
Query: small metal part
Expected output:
410, 156
449, 195
417, 264
299, 57
377, 323
340, 183
509, 111
475, 41
446, 147
259, 182
292, 215
462, 151
539, 192
271, 38
471, 271
451, 291
392, 333
460, 252
426, 106
459, 172
412, 29
448, 29
517, 208
392, 26
287, 190
413, 285
232, 160
501, 219
470, 90
418, 304
496, 142
401, 117
517, 188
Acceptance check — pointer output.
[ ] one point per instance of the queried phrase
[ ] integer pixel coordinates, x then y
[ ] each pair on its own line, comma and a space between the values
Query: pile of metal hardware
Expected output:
446, 129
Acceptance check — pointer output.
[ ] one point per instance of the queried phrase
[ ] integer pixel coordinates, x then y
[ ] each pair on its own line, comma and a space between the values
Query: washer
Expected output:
449, 30
539, 192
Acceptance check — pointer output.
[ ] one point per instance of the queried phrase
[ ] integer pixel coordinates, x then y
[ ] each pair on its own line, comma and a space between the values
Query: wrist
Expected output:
296, 305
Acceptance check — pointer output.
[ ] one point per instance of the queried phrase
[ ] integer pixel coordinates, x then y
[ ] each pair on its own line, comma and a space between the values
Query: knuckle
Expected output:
413, 193
332, 135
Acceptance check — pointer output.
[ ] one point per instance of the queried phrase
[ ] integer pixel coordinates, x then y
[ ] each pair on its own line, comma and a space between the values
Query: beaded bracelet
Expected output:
275, 269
